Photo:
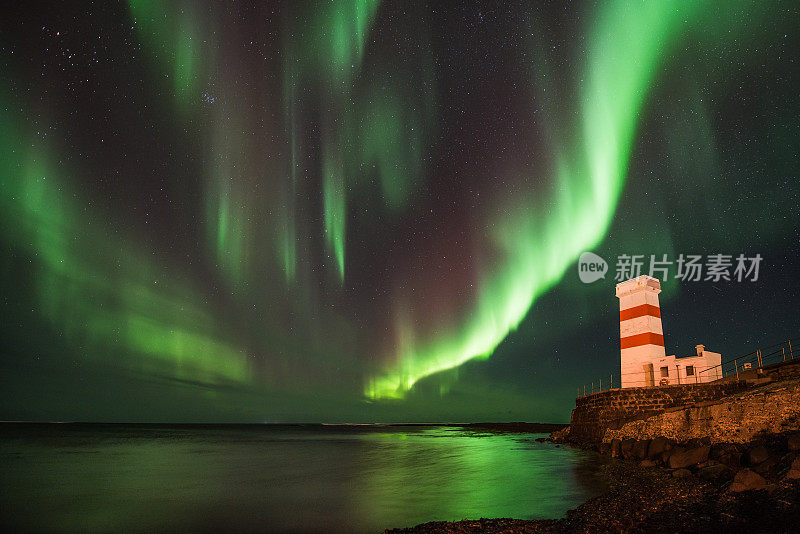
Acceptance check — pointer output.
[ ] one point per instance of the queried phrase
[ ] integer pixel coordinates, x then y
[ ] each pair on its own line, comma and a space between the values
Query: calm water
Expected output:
267, 478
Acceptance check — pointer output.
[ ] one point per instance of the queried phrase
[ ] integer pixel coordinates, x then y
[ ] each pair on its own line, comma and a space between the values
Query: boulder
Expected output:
794, 470
616, 448
732, 459
695, 443
627, 447
767, 467
719, 450
640, 449
793, 443
648, 463
747, 479
715, 472
658, 446
682, 457
757, 455
681, 473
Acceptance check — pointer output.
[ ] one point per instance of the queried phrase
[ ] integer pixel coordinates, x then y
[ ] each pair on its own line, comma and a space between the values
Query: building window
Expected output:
665, 372
690, 370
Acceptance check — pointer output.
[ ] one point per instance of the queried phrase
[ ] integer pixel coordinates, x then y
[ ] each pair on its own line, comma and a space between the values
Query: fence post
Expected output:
612, 380
790, 349
736, 363
601, 384
592, 387
783, 353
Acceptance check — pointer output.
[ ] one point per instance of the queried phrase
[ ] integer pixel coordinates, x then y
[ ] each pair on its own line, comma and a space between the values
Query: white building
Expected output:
643, 359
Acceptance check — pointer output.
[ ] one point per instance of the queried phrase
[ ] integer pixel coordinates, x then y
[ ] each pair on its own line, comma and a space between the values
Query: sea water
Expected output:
316, 478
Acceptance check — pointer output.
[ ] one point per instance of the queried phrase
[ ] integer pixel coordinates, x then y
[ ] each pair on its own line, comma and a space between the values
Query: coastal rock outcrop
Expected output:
794, 470
794, 442
758, 454
685, 457
747, 479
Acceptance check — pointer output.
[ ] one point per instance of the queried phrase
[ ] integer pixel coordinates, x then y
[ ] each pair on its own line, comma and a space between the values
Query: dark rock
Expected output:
682, 457
640, 449
681, 473
767, 467
627, 447
605, 449
732, 459
658, 446
694, 443
722, 449
794, 470
715, 472
757, 455
747, 479
648, 463
540, 440
616, 448
793, 443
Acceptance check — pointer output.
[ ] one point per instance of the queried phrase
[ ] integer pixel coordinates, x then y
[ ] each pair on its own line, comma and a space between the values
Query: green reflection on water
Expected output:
469, 475
112, 478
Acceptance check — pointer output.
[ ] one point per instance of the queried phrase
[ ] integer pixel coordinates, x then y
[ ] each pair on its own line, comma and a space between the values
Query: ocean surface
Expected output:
195, 478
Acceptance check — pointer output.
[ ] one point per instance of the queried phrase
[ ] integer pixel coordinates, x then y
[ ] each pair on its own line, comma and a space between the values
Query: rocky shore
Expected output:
660, 485
654, 500
728, 464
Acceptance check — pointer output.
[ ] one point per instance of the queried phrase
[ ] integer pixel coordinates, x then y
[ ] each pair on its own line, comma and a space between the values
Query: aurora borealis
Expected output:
362, 210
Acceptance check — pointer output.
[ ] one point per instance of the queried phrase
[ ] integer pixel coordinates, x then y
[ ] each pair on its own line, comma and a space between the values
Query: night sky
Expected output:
373, 211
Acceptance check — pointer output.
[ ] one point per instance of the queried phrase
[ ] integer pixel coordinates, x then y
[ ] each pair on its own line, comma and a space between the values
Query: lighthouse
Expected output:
640, 331
643, 360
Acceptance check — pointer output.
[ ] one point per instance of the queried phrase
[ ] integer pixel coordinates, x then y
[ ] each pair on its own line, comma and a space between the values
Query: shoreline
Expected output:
651, 500
752, 487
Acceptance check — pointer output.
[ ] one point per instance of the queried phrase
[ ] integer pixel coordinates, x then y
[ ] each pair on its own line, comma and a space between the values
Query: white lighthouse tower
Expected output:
641, 335
643, 359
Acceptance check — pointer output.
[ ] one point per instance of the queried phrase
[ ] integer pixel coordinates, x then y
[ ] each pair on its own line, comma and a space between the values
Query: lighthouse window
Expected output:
665, 372
690, 370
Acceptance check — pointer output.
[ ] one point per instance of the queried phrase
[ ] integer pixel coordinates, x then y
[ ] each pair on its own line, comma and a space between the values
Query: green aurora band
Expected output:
325, 56
540, 239
170, 33
369, 128
93, 285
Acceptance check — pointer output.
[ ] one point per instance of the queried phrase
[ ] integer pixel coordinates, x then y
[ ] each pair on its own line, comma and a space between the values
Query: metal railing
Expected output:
598, 384
780, 352
604, 384
757, 359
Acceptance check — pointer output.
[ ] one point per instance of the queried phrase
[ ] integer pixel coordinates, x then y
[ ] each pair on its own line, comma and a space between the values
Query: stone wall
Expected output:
593, 414
789, 370
740, 418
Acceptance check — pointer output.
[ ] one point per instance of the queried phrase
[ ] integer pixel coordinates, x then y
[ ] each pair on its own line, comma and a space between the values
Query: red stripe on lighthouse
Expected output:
648, 338
640, 311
